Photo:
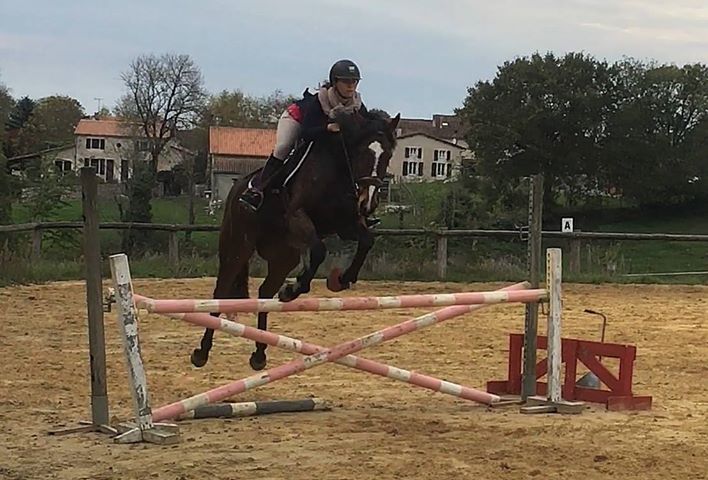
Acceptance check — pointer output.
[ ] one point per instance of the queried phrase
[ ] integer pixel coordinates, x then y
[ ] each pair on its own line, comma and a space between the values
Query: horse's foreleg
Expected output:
338, 281
317, 254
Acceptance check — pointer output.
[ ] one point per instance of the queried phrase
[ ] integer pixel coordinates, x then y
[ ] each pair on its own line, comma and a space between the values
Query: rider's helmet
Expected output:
344, 69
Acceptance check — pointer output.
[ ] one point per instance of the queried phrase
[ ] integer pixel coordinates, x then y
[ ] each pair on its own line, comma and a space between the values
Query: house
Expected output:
234, 153
428, 149
63, 157
422, 157
446, 127
111, 145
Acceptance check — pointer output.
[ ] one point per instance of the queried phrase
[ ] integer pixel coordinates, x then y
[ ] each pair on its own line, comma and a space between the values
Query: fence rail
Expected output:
575, 238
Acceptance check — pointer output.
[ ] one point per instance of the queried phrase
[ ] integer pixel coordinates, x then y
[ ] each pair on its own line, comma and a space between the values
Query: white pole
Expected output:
144, 429
554, 280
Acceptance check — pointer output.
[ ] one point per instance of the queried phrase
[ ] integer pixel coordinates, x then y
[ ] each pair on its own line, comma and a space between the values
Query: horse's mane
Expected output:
356, 127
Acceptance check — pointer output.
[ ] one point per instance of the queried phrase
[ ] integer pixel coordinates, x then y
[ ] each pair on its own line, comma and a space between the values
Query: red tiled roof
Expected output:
103, 128
247, 142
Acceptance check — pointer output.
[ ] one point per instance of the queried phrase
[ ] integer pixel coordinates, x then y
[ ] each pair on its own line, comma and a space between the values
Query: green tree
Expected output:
138, 209
7, 105
19, 117
45, 189
237, 109
6, 191
540, 114
51, 124
658, 132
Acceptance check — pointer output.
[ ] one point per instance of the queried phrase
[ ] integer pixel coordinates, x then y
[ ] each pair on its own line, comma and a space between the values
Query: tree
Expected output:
6, 196
164, 94
51, 124
19, 117
138, 207
658, 132
21, 113
540, 114
237, 109
7, 105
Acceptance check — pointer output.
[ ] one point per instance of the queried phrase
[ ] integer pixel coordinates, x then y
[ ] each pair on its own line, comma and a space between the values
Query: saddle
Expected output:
291, 165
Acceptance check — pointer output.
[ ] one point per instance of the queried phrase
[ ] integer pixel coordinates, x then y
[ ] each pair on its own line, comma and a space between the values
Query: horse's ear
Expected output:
393, 124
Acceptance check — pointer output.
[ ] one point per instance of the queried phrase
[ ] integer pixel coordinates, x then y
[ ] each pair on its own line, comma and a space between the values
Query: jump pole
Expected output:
330, 355
370, 366
257, 305
249, 409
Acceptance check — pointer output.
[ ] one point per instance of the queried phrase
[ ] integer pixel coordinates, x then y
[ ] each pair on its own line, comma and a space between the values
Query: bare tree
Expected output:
164, 94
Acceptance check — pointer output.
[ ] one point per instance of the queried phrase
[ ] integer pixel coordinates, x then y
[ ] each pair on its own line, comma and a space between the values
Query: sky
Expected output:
417, 57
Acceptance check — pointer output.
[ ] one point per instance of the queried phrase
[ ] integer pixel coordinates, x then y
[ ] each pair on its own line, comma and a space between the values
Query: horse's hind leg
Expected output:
278, 270
231, 282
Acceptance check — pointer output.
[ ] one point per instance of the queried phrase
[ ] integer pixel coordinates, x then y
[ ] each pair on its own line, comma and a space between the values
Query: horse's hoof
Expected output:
288, 293
334, 281
199, 358
258, 360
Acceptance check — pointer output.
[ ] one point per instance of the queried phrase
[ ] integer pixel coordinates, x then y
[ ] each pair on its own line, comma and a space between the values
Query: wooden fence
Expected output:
441, 237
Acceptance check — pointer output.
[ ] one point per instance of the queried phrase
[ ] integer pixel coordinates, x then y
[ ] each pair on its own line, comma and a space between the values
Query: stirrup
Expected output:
252, 198
372, 222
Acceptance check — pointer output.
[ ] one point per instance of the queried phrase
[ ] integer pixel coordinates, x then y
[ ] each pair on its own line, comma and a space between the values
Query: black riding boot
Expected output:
253, 197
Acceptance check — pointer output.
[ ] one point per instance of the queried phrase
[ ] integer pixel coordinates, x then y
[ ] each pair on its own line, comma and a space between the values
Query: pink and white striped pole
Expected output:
252, 305
295, 366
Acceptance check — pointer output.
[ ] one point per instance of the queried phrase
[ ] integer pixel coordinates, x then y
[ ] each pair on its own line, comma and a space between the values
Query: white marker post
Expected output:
553, 401
143, 429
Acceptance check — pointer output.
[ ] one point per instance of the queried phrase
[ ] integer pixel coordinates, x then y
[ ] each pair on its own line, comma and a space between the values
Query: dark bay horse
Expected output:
335, 187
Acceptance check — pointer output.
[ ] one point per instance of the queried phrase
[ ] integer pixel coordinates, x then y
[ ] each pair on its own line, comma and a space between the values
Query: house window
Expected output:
440, 167
124, 170
412, 168
110, 170
441, 155
99, 164
95, 143
63, 166
143, 145
413, 152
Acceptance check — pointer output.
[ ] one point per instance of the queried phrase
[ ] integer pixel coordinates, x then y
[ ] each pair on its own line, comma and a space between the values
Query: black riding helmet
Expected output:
344, 69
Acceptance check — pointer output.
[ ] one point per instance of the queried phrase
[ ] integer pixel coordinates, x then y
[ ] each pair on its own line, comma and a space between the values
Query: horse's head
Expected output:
371, 145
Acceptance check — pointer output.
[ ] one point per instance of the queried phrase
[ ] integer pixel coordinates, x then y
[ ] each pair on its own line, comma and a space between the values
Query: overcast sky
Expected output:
417, 57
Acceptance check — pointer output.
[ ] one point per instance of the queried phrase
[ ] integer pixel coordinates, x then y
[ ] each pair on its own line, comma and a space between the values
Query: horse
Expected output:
328, 187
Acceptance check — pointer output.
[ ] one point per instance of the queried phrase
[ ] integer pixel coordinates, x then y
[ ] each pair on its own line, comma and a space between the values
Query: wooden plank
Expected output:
602, 372
36, 253
173, 250
94, 301
442, 257
534, 251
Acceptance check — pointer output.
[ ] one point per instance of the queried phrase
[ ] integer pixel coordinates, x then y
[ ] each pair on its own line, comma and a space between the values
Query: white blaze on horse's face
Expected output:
378, 150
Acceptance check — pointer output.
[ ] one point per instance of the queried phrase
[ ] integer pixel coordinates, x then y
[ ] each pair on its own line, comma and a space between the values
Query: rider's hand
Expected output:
333, 127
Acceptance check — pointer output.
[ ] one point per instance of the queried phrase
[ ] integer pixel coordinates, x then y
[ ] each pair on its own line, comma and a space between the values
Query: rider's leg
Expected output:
285, 137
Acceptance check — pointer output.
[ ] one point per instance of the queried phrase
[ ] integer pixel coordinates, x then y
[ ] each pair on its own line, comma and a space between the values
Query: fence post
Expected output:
574, 255
173, 248
92, 260
534, 251
442, 255
36, 253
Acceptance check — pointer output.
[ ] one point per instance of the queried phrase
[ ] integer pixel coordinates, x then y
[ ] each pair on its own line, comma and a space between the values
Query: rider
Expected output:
310, 118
